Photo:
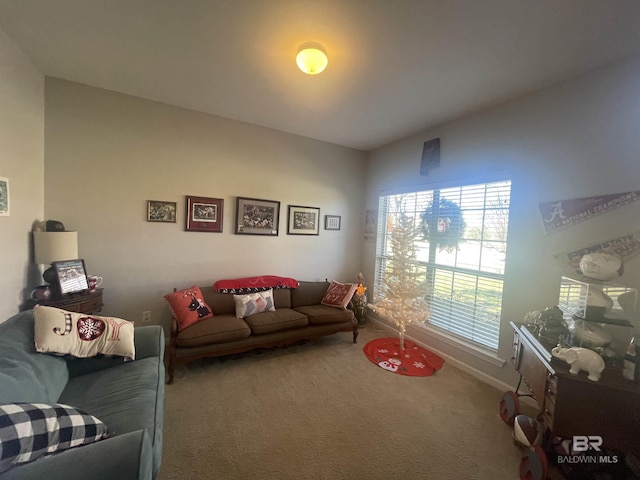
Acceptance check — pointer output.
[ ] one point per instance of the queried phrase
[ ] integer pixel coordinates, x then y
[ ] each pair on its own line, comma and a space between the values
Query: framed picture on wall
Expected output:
4, 197
332, 222
255, 216
158, 211
303, 220
204, 214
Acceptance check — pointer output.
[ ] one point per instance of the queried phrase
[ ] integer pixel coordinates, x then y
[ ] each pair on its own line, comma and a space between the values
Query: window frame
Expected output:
484, 340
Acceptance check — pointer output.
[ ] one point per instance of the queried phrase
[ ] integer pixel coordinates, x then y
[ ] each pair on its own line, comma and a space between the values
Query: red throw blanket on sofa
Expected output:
254, 284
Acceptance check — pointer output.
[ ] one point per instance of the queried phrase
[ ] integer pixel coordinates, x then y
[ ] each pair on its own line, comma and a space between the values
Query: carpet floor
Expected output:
321, 410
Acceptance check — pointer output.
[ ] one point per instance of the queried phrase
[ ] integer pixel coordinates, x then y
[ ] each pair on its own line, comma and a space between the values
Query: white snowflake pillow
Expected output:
81, 335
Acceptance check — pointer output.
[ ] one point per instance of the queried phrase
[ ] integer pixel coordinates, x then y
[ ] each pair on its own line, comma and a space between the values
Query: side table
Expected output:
90, 302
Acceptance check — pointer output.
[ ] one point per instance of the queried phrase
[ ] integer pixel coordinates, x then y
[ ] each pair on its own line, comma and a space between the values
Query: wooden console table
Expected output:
90, 302
573, 405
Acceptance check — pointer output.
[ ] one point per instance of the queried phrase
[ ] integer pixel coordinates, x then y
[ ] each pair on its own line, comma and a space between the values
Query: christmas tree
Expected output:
403, 285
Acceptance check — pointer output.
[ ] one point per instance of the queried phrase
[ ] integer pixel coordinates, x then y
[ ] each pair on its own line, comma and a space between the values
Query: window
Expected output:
466, 281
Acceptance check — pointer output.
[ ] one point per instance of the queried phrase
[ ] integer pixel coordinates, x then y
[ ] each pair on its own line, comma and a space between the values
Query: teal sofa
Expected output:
127, 396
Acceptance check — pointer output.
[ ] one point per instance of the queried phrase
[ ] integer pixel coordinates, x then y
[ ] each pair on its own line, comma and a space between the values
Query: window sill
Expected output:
458, 343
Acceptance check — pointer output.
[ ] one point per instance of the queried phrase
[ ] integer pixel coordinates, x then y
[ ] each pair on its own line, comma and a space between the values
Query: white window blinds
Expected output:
465, 280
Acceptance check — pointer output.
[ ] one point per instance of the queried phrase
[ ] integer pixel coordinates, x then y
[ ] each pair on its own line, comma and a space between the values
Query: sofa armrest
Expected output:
149, 341
123, 457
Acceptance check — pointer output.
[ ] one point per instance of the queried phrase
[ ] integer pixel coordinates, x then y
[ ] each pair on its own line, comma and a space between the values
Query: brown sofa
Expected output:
298, 315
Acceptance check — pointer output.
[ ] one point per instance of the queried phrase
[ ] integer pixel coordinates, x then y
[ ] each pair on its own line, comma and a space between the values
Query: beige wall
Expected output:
22, 161
107, 154
573, 140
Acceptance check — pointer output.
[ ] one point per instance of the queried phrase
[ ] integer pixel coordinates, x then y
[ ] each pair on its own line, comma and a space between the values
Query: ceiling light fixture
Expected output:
311, 58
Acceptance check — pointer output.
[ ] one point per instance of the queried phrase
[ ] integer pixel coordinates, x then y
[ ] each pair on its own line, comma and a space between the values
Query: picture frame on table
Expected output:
303, 220
204, 214
71, 276
332, 222
255, 216
160, 211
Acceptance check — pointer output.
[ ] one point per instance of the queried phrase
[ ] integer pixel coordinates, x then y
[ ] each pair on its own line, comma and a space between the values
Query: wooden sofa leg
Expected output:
355, 334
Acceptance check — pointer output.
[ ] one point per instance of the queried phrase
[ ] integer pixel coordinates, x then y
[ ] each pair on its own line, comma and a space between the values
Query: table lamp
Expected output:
52, 247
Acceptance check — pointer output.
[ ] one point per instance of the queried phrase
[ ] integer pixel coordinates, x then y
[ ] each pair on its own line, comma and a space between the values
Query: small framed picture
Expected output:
204, 214
158, 211
72, 276
4, 197
257, 217
332, 222
303, 220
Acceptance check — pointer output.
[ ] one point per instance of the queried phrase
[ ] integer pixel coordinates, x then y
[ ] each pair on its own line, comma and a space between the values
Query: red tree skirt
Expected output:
414, 361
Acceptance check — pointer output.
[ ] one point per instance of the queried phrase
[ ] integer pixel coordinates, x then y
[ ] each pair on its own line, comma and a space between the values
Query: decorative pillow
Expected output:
80, 335
31, 430
339, 294
253, 303
188, 306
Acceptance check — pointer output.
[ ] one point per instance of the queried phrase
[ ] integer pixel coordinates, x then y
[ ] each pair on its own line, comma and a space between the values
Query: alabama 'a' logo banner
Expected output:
563, 213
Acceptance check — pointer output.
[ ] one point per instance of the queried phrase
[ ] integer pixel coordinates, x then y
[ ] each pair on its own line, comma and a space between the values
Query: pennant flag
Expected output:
563, 213
625, 247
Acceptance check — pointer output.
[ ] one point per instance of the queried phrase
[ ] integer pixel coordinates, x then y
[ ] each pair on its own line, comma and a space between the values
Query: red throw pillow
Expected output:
188, 307
339, 294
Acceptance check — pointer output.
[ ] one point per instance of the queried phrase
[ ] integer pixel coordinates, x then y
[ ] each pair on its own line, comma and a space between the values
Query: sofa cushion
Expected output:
308, 293
126, 398
31, 430
282, 298
339, 294
219, 329
281, 319
252, 303
81, 335
323, 315
26, 375
188, 306
221, 303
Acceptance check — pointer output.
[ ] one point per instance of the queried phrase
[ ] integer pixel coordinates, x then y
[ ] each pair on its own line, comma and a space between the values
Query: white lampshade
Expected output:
52, 247
311, 58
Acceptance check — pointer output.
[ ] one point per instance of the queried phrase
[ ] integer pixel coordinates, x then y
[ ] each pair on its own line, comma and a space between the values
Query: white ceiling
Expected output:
395, 68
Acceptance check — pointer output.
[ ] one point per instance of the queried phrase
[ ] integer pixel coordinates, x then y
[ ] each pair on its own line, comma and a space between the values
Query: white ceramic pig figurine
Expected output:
581, 359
